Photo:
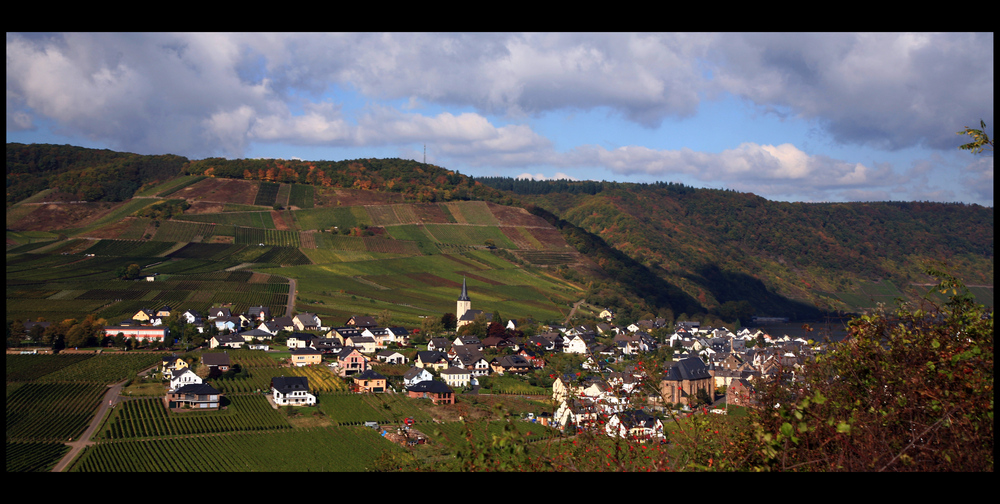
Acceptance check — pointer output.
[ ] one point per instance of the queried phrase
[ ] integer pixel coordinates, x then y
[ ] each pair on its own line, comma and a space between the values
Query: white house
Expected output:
574, 344
181, 377
291, 391
416, 375
634, 425
456, 377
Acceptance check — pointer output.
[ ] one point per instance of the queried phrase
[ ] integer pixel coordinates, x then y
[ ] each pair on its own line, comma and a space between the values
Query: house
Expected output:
471, 341
361, 321
740, 392
350, 361
284, 323
416, 375
327, 345
380, 335
271, 327
306, 322
364, 344
575, 412
391, 357
191, 317
217, 362
291, 391
300, 340
228, 323
164, 311
574, 344
218, 312
196, 396
182, 377
635, 424
305, 357
437, 344
227, 340
143, 315
456, 377
431, 359
369, 382
681, 383
171, 363
254, 334
259, 313
141, 333
437, 392
400, 335
510, 364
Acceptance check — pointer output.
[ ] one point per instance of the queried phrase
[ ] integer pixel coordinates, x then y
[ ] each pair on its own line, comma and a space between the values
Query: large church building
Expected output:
464, 314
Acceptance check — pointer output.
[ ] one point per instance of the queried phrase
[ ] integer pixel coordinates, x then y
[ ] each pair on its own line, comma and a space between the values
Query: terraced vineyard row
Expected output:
51, 411
321, 380
33, 457
149, 418
320, 449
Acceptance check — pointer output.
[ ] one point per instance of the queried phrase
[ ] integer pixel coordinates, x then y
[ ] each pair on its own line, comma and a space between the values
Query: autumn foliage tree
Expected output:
911, 389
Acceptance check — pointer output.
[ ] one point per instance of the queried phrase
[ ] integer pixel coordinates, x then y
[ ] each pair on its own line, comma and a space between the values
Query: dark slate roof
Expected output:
287, 384
368, 375
465, 292
215, 359
428, 356
197, 388
636, 418
413, 372
471, 315
363, 321
430, 386
692, 368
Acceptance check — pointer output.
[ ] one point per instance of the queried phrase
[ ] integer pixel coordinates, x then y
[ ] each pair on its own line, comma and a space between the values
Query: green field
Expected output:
327, 218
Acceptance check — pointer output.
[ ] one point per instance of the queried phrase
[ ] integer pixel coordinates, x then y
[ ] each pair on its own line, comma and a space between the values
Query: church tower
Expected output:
464, 303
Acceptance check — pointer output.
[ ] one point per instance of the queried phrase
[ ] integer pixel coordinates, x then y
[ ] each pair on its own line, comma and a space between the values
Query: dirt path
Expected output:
76, 446
291, 297
573, 311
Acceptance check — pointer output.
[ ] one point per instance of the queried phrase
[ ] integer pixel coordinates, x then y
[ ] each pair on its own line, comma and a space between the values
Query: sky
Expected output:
813, 117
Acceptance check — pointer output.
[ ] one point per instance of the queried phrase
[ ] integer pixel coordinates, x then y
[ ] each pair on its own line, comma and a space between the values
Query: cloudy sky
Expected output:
793, 117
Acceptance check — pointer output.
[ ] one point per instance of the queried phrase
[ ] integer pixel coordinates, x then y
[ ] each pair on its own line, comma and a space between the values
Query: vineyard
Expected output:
51, 411
104, 369
321, 379
301, 196
319, 449
149, 418
266, 194
33, 457
32, 367
255, 236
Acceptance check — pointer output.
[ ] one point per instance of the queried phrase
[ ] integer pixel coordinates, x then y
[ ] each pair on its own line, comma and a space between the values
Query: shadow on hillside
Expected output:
734, 286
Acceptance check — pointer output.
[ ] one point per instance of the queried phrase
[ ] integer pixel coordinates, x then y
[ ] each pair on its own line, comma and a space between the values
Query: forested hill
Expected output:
82, 173
719, 243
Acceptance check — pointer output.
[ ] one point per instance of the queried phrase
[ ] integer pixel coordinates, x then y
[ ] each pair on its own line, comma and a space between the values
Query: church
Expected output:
464, 314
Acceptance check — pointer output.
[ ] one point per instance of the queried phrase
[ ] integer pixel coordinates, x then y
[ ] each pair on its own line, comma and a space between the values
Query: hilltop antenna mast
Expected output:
425, 153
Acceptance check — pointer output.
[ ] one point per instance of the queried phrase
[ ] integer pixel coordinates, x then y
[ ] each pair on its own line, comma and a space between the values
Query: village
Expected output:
611, 389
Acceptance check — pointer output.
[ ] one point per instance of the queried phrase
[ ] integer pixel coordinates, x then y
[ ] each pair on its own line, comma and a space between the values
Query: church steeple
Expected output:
463, 305
465, 292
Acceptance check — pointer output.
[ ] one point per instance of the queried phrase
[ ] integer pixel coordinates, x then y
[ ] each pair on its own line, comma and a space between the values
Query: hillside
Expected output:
725, 247
369, 235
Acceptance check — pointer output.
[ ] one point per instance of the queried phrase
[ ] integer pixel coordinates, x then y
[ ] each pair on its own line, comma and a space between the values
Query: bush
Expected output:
910, 390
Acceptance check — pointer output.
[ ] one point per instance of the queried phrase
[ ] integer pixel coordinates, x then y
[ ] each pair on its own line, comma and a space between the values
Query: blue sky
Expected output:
792, 117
